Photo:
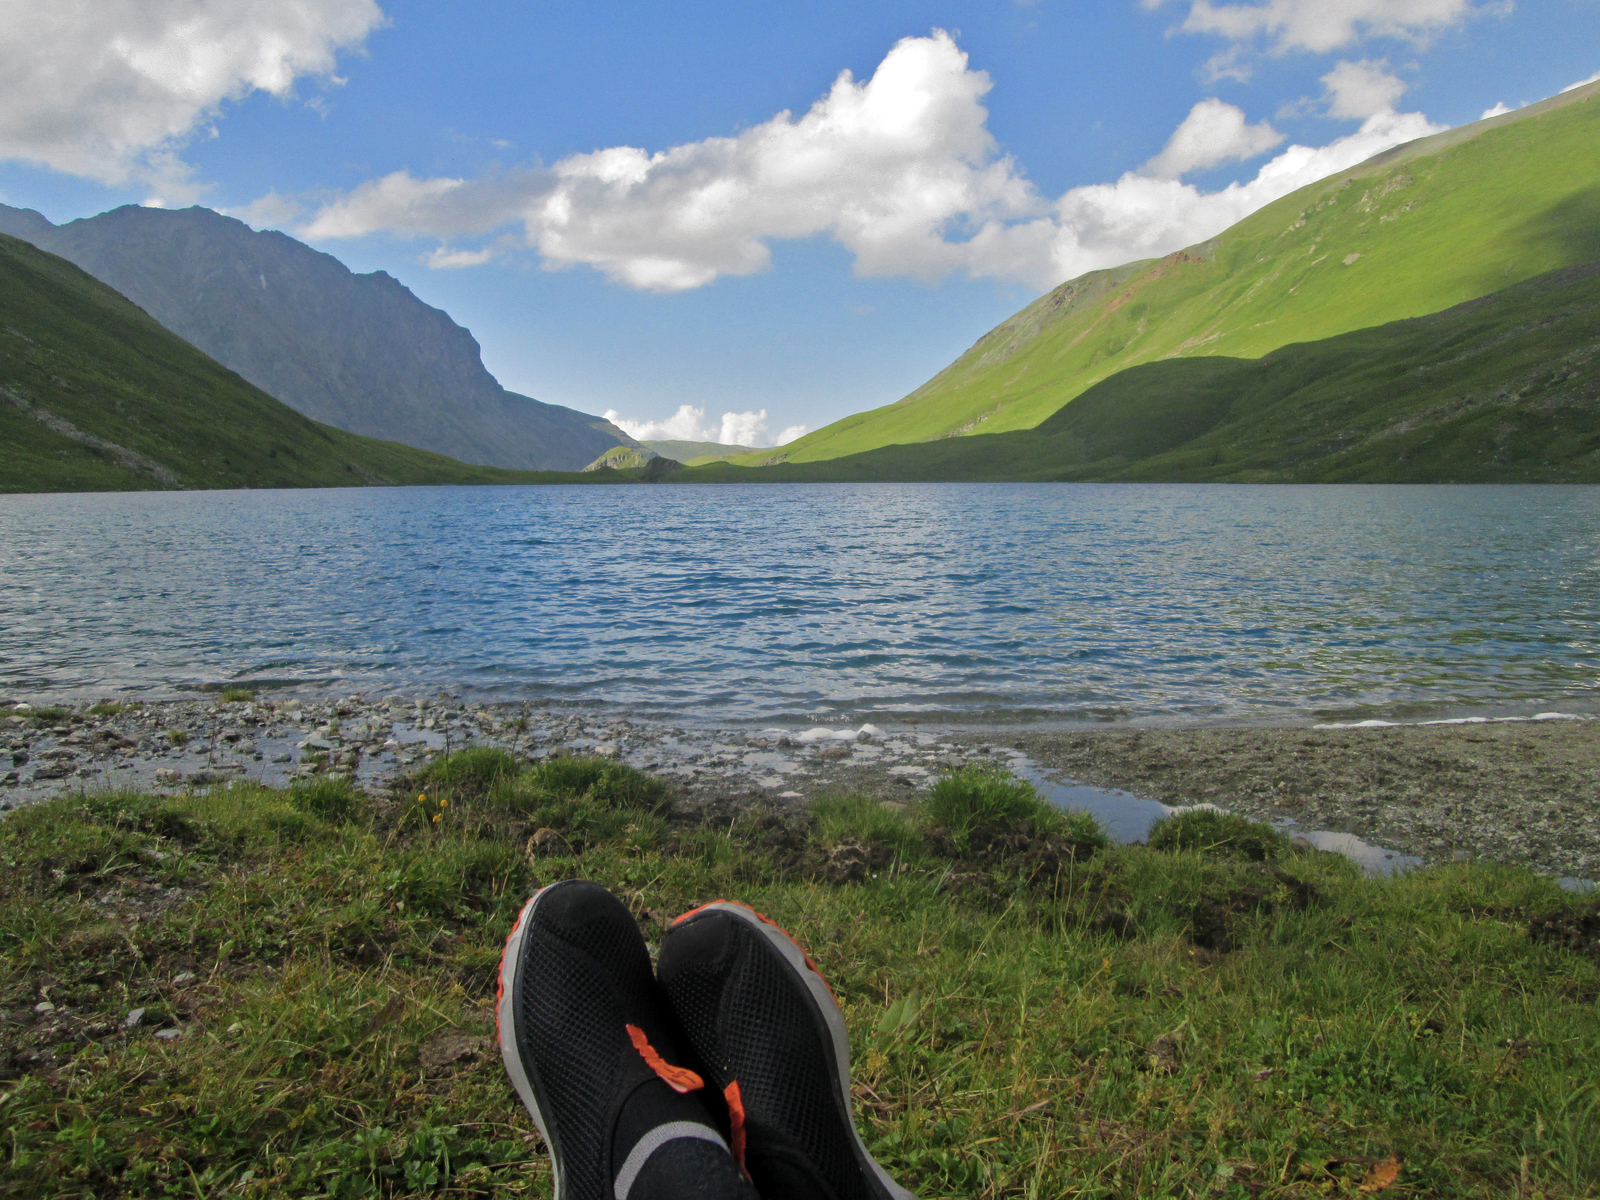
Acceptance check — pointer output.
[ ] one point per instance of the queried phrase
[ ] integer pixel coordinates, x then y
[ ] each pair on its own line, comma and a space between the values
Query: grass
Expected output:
1415, 230
237, 695
96, 396
1501, 389
1025, 1022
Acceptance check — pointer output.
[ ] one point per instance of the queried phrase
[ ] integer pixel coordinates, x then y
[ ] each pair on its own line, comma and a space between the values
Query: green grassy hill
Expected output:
693, 451
1412, 231
95, 395
1505, 388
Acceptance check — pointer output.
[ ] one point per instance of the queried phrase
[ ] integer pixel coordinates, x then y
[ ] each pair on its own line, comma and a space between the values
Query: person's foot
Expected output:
765, 1027
586, 1042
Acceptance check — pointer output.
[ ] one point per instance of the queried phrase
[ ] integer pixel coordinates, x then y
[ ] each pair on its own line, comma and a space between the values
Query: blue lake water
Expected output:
954, 603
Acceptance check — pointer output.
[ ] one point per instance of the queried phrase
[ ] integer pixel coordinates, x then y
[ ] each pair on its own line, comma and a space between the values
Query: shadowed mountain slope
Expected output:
359, 352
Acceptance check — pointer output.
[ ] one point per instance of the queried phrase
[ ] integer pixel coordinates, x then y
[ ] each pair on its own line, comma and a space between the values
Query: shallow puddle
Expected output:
1128, 818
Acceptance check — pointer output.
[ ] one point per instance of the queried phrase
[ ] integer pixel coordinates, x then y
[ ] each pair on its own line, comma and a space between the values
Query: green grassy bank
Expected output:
1032, 1013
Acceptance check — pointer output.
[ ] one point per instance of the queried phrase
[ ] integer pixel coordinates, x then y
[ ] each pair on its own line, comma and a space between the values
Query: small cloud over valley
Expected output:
688, 424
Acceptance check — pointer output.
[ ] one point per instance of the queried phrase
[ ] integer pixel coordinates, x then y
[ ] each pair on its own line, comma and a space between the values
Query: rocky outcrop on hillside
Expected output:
360, 352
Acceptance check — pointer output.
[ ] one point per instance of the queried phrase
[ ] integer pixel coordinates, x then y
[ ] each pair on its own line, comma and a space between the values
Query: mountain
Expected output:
1501, 389
1415, 230
359, 352
95, 395
621, 458
686, 451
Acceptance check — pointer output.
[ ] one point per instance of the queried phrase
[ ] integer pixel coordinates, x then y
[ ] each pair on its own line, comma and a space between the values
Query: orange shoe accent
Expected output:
500, 976
736, 1124
679, 1079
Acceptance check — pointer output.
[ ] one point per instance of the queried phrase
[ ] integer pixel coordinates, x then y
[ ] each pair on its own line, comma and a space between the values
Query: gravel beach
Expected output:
1523, 792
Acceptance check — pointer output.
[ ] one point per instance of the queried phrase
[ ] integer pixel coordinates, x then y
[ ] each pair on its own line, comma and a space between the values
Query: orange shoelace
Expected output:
736, 1123
679, 1079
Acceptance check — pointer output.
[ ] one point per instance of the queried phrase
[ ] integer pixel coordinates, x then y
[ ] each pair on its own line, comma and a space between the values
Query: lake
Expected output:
954, 603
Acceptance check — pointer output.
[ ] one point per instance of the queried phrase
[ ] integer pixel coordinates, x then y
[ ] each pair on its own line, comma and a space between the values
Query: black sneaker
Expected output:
584, 1036
767, 1030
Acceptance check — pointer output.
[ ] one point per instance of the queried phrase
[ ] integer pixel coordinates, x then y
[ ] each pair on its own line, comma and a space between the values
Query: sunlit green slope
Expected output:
1501, 389
1412, 231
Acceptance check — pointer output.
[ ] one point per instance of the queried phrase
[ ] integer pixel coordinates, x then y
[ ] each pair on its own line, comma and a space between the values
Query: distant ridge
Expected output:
359, 352
684, 451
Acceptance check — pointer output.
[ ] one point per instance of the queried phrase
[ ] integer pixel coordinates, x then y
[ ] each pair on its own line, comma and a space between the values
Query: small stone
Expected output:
236, 1027
168, 775
131, 1021
168, 1035
44, 1008
183, 978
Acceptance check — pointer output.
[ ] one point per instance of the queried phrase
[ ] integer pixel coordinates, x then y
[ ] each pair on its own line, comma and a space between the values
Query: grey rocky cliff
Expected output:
360, 352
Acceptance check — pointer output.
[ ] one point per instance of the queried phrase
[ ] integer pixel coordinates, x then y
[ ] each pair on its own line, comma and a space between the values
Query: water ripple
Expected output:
967, 601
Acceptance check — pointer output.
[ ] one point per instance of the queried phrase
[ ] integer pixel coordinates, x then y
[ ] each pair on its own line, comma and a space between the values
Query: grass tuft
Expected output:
1220, 834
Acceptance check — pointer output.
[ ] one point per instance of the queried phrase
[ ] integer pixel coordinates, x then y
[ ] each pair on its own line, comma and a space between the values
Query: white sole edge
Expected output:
832, 1017
510, 965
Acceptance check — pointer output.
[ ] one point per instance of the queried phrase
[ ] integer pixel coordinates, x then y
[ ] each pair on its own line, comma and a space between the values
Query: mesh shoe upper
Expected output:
576, 975
751, 1018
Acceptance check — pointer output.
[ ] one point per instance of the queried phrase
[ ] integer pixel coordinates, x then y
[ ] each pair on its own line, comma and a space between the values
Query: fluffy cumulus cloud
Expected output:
1213, 133
884, 165
1357, 90
899, 169
110, 90
688, 424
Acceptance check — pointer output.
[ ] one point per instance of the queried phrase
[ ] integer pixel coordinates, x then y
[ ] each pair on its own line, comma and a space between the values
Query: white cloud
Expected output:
1323, 25
110, 90
1357, 90
688, 425
1139, 217
790, 434
1213, 133
901, 170
445, 258
1499, 110
1572, 87
884, 166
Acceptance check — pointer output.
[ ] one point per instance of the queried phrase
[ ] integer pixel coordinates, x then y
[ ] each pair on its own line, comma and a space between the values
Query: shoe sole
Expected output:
506, 1031
826, 1005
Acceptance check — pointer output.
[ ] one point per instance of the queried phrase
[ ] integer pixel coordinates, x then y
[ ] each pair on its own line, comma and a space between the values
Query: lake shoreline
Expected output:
1501, 791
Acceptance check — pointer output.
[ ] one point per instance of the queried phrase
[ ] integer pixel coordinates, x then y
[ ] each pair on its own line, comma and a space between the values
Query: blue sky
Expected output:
608, 196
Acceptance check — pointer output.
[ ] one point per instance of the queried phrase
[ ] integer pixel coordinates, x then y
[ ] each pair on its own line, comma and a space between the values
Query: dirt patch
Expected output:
1578, 930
